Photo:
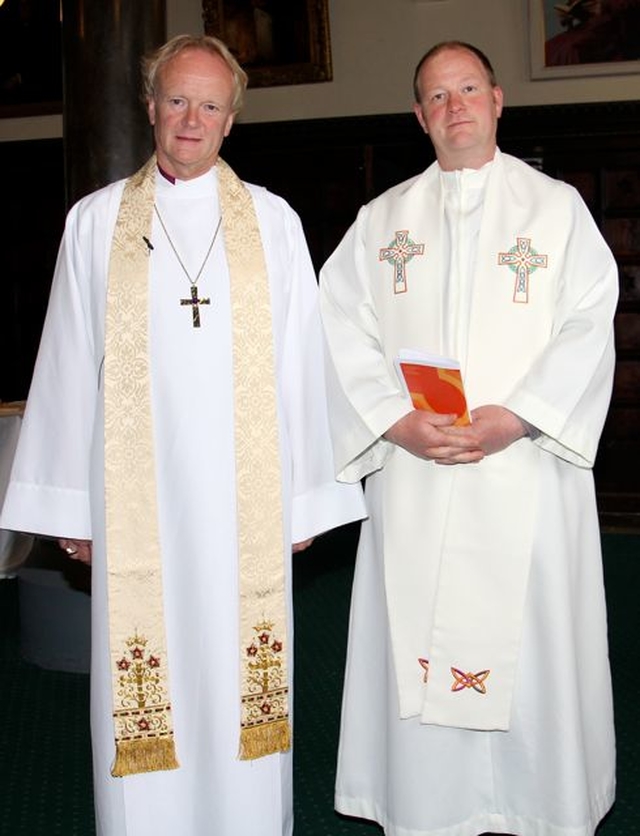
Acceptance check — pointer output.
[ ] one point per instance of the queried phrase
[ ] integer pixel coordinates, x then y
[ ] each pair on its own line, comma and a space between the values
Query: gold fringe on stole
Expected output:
265, 740
133, 756
263, 614
141, 704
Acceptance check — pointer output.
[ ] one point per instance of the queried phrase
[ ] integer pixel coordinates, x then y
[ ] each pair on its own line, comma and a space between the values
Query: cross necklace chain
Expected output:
193, 301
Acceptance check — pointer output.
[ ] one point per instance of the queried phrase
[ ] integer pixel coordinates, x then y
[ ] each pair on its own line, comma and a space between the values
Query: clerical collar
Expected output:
466, 178
166, 175
175, 180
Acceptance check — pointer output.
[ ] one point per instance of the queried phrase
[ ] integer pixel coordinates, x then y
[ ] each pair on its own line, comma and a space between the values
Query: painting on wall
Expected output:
583, 38
275, 41
30, 57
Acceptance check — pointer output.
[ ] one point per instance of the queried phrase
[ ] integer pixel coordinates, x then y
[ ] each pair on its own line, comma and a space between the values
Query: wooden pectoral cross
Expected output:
195, 303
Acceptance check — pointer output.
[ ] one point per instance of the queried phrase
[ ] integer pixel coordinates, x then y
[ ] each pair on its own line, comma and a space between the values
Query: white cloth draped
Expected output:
14, 547
517, 533
57, 488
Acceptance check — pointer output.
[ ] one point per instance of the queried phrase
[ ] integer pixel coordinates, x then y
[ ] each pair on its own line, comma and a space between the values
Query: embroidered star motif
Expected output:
464, 680
523, 260
399, 252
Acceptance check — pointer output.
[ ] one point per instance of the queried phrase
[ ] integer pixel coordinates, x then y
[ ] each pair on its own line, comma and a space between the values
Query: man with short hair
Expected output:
477, 694
176, 437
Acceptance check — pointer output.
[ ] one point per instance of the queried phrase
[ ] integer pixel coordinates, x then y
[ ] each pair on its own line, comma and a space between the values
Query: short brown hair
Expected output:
155, 61
441, 47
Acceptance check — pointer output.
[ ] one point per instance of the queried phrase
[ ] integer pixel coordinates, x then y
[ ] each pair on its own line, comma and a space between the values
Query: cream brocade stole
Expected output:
139, 663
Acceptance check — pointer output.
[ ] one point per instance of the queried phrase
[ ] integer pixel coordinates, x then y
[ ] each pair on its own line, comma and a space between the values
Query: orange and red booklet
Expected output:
434, 383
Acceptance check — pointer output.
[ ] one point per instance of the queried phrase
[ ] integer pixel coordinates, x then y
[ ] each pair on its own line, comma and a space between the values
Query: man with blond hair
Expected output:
176, 438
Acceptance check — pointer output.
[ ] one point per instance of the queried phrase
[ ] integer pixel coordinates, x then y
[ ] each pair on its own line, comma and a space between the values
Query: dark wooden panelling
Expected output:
327, 169
33, 211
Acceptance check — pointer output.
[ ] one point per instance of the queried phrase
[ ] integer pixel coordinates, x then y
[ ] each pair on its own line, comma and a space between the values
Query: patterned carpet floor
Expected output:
45, 759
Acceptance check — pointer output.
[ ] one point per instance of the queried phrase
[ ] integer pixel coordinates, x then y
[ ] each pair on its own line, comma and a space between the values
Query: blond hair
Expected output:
153, 63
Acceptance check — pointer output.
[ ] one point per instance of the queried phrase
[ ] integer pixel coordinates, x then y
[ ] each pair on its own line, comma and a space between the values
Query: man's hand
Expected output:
431, 436
302, 545
77, 550
496, 427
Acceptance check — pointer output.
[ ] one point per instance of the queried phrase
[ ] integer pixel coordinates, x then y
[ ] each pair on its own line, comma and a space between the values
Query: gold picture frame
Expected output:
581, 38
276, 41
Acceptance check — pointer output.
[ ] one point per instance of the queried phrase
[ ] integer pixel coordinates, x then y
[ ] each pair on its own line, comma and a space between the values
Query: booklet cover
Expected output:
434, 383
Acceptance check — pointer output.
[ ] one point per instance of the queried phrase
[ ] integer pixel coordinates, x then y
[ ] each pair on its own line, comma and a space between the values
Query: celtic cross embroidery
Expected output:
399, 252
523, 260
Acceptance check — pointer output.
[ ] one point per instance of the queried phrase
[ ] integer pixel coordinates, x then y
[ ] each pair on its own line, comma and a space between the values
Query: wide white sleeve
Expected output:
364, 400
566, 392
319, 502
48, 492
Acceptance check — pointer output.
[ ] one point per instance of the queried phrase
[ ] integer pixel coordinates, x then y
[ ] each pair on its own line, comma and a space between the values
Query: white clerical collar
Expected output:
467, 178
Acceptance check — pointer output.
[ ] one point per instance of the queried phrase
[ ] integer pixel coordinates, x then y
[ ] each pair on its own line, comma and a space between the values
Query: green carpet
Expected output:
45, 763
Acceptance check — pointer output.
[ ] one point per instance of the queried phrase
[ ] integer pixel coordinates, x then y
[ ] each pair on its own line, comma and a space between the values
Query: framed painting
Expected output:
275, 41
30, 58
583, 38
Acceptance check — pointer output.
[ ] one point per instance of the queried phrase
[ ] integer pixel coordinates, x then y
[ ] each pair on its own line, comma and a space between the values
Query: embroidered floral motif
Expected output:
399, 252
523, 260
142, 708
267, 689
464, 680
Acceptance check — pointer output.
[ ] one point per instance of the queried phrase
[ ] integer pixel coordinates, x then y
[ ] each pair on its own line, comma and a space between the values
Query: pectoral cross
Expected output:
195, 303
523, 260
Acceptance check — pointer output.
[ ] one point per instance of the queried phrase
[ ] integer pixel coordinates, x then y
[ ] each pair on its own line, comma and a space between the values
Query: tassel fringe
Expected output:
150, 755
267, 739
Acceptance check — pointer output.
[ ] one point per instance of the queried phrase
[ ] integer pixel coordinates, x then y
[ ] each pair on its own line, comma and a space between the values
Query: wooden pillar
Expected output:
106, 130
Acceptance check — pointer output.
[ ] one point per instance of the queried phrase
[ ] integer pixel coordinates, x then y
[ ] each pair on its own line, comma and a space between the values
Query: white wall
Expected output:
375, 46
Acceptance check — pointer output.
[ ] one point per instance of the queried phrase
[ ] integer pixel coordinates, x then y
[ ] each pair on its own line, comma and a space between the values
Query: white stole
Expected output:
467, 530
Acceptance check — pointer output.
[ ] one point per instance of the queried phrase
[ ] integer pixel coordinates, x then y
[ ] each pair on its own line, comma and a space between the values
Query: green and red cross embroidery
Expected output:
523, 260
399, 253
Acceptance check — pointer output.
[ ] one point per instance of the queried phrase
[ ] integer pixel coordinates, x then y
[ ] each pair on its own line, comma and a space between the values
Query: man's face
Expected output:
459, 108
191, 112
